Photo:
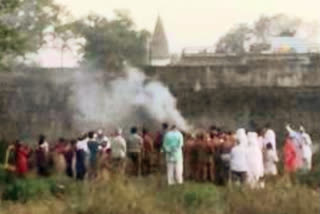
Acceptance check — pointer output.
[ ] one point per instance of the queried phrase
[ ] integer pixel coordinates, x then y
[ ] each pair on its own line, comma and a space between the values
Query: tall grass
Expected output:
122, 195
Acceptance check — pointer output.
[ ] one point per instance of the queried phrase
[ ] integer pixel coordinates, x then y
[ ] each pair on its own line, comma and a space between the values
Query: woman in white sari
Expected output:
254, 160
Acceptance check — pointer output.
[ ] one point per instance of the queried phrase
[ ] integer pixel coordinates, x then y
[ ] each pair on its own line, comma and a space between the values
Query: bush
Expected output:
6, 177
26, 189
312, 178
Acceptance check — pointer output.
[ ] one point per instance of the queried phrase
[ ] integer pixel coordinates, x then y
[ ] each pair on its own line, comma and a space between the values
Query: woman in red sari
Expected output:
290, 156
21, 156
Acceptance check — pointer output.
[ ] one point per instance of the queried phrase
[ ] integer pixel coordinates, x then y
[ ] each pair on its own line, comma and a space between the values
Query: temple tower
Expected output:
159, 48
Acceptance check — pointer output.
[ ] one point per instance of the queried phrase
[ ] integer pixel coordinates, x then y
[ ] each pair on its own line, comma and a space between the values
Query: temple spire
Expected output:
159, 49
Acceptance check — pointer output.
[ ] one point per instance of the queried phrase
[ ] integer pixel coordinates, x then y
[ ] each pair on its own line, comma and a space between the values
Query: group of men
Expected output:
212, 155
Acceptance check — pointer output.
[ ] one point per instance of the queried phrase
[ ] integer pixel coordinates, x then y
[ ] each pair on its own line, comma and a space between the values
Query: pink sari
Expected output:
290, 156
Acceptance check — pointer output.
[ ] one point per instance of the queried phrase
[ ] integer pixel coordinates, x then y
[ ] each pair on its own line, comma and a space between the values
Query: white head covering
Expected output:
100, 132
119, 131
253, 139
242, 137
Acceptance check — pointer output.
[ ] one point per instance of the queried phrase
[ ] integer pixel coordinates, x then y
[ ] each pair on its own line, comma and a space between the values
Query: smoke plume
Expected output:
129, 100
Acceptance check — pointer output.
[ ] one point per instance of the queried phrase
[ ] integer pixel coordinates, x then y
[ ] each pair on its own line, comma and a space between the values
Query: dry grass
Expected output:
151, 195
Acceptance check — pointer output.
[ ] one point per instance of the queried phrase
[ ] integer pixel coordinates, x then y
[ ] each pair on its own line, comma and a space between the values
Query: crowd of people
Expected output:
212, 155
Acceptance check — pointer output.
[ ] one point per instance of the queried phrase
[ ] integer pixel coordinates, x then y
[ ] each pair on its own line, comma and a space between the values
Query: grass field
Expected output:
119, 195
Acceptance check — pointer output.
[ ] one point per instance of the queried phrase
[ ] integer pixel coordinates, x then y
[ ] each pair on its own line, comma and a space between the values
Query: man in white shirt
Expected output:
102, 140
118, 151
238, 160
82, 144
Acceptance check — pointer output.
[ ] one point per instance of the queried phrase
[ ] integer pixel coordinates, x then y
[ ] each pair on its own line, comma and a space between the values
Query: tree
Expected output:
111, 43
9, 38
283, 25
259, 34
234, 41
24, 25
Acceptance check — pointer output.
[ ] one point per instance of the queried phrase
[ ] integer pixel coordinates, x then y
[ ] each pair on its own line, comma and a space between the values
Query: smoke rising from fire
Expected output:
129, 100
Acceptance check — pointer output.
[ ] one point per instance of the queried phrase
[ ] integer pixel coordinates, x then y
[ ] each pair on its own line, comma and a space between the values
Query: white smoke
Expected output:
131, 99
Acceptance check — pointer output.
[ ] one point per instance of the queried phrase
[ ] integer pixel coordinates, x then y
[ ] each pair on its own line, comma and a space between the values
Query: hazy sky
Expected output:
190, 23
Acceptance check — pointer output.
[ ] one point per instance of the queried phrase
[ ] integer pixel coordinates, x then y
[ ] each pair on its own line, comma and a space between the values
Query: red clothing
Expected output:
22, 160
290, 156
147, 143
60, 148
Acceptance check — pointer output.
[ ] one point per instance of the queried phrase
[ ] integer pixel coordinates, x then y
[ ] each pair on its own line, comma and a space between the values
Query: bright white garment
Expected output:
118, 147
270, 137
103, 139
261, 142
45, 146
270, 160
238, 159
307, 150
175, 172
242, 137
254, 159
83, 145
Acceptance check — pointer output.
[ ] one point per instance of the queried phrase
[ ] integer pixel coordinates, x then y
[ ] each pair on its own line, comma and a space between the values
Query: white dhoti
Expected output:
175, 172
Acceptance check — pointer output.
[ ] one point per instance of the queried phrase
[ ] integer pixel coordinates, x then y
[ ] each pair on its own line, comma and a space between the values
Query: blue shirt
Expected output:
172, 146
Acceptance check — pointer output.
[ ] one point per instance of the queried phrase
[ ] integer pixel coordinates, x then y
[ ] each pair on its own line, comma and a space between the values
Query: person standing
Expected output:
21, 157
297, 140
147, 152
189, 149
69, 157
82, 151
58, 156
158, 147
306, 149
172, 147
254, 160
270, 160
93, 147
290, 155
102, 140
135, 143
238, 158
118, 152
42, 156
270, 137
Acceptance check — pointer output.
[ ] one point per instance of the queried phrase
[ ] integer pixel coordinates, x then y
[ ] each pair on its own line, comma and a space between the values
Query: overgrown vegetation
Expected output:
152, 195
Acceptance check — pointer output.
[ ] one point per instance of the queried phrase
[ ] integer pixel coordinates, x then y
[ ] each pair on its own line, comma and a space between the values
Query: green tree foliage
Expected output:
111, 43
233, 41
24, 25
265, 27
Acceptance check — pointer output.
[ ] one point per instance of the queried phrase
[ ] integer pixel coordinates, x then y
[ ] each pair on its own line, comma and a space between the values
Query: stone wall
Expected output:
37, 102
242, 95
31, 104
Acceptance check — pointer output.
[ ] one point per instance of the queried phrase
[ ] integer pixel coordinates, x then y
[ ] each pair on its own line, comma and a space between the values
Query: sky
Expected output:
194, 23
